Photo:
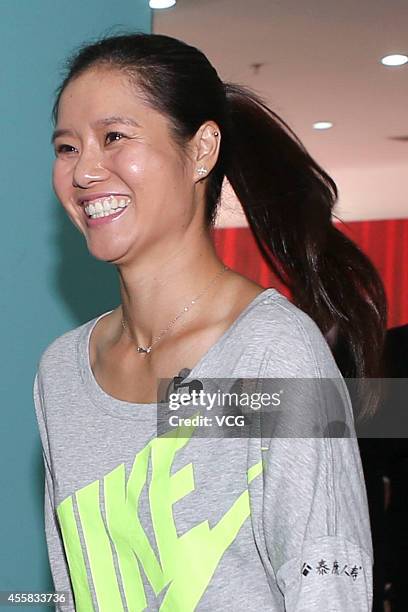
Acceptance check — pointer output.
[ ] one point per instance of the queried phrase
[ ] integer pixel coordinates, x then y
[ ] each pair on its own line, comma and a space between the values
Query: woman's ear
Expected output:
207, 146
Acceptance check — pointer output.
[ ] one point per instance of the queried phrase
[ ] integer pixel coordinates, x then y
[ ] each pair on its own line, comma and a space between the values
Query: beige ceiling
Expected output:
319, 61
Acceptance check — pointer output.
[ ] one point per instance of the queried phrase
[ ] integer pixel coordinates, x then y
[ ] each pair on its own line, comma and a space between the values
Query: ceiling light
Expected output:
394, 60
161, 4
322, 125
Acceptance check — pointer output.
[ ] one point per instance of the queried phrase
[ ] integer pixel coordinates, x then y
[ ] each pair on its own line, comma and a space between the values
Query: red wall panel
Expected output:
385, 242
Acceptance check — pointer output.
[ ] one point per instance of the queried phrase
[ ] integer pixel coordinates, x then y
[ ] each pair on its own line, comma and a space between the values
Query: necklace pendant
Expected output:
142, 349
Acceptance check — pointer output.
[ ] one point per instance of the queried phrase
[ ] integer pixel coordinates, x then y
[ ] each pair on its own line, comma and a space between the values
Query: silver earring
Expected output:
202, 170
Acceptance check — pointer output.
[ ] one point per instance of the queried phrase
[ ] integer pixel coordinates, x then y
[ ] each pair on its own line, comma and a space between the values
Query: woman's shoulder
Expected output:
62, 350
292, 338
292, 350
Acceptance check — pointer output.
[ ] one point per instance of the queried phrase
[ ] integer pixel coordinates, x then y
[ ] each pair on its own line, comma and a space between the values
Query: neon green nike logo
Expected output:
186, 563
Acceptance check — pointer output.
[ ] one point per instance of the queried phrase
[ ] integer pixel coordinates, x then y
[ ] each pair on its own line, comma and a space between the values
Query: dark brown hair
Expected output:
286, 196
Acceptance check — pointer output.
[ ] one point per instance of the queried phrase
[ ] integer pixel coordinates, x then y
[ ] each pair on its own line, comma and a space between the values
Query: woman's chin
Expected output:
111, 253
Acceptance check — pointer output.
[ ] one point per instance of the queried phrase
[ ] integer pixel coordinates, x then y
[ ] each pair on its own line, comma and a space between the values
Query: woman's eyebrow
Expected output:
105, 122
117, 119
61, 132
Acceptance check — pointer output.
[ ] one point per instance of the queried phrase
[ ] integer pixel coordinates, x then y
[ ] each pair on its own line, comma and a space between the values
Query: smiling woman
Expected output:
145, 133
103, 144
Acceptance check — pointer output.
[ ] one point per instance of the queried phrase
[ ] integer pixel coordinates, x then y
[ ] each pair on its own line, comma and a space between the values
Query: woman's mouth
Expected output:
105, 210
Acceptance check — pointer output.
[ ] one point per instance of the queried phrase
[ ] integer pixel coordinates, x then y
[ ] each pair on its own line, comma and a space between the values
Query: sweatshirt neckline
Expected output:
123, 409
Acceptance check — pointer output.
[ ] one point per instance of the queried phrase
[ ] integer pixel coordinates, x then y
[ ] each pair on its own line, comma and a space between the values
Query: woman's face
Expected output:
115, 154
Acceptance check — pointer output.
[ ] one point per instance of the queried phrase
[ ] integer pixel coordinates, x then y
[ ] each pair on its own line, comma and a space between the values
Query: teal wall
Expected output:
49, 282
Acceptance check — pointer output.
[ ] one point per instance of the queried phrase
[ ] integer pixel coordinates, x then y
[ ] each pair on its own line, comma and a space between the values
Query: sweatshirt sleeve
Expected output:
315, 526
315, 518
56, 554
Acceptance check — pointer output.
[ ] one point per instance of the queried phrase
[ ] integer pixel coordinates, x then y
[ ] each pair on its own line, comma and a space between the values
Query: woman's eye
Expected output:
111, 136
64, 148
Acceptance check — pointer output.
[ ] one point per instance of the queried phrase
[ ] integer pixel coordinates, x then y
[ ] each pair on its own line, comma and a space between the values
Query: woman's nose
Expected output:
89, 168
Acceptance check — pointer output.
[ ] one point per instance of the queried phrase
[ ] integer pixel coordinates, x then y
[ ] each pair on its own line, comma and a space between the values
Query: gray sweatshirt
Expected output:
136, 519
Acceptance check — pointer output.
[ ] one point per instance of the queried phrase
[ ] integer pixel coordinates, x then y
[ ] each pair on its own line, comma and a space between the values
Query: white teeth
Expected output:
105, 207
104, 213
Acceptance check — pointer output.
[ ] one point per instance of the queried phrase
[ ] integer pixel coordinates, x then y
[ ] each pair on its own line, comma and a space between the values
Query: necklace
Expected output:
147, 349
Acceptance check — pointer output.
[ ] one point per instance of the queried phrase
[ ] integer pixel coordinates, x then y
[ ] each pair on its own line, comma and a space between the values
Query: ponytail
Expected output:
288, 200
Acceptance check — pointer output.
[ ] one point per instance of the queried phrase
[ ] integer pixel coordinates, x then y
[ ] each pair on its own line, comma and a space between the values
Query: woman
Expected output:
145, 134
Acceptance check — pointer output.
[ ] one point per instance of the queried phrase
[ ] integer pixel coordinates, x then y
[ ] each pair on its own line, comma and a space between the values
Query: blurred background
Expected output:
319, 64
